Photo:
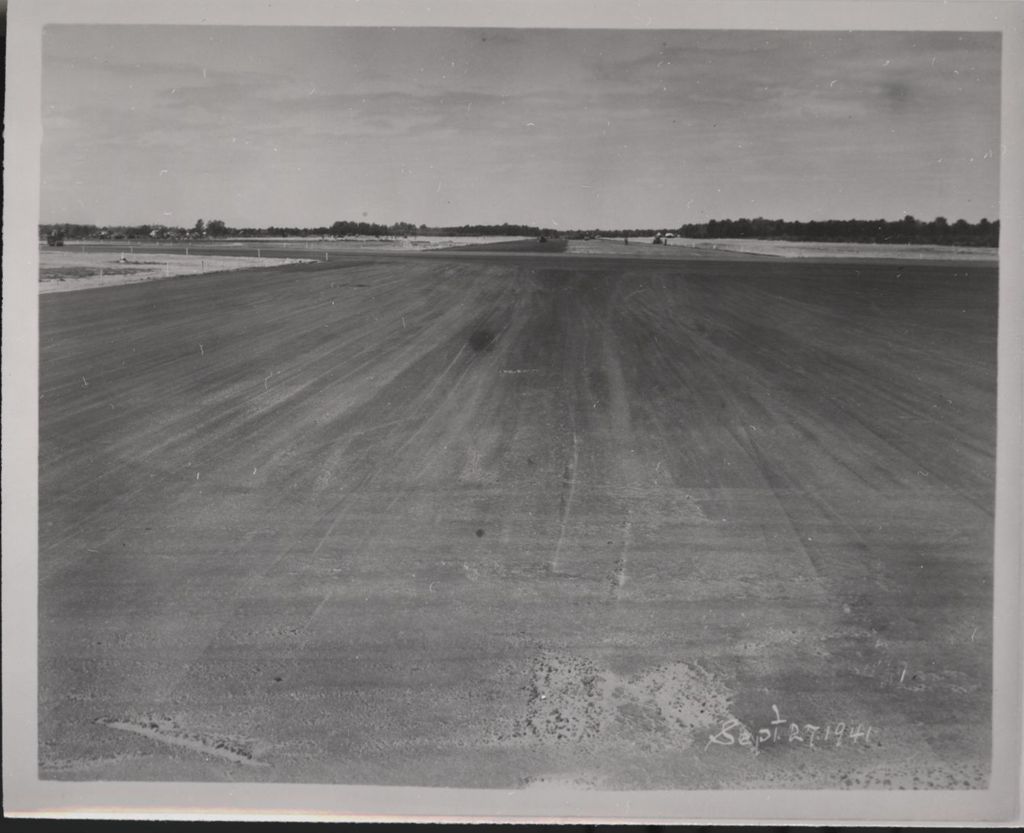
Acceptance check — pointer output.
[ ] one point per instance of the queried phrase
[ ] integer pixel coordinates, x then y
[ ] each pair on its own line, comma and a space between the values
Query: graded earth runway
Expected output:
493, 520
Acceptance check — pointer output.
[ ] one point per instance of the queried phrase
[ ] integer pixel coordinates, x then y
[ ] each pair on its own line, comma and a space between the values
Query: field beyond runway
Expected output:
71, 269
499, 520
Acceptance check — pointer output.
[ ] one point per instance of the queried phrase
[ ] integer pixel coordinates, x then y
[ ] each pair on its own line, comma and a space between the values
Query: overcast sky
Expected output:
572, 129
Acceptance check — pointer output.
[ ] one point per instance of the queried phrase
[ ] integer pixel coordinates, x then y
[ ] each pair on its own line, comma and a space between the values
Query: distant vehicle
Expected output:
55, 238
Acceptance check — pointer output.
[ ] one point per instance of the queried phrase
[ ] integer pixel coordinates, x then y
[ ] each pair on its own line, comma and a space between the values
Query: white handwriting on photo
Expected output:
782, 731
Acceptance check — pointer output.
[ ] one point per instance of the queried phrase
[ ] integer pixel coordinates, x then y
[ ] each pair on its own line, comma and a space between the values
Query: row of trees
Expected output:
205, 229
491, 230
85, 231
580, 234
908, 230
346, 228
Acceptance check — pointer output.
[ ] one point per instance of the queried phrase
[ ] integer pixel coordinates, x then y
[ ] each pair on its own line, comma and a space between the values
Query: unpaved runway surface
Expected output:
490, 520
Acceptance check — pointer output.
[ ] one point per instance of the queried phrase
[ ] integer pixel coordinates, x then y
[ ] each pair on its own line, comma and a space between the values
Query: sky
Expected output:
296, 126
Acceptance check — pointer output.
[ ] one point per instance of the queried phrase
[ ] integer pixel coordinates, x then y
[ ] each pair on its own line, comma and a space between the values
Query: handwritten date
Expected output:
733, 732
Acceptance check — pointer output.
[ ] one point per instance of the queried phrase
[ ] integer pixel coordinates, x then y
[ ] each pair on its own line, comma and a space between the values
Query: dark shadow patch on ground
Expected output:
482, 340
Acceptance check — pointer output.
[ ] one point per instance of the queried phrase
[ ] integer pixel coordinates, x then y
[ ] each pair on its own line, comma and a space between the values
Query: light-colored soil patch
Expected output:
785, 248
643, 247
65, 270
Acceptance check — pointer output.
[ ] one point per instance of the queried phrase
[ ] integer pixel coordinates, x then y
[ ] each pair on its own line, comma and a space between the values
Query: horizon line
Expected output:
556, 227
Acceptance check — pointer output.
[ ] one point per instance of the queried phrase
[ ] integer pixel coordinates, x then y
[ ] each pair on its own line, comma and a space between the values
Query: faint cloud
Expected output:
214, 95
155, 69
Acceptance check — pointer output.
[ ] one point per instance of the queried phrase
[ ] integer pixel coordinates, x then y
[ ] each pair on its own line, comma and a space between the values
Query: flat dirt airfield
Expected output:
499, 519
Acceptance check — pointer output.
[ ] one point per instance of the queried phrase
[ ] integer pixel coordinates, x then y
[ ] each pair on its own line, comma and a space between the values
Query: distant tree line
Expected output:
345, 228
586, 234
492, 230
908, 230
75, 230
341, 228
151, 231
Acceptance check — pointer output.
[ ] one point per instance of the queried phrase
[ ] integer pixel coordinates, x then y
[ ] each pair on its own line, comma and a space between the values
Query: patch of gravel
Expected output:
571, 700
